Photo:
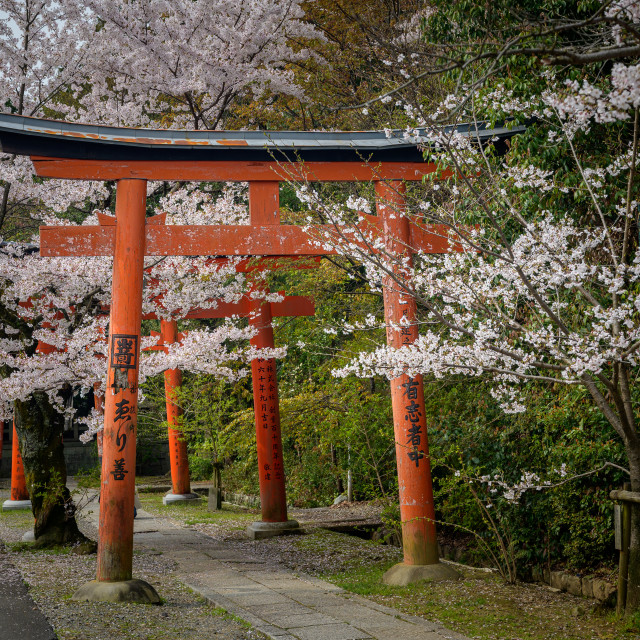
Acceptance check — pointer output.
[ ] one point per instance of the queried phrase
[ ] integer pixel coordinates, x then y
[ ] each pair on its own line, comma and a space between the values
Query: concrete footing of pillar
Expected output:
29, 536
120, 591
179, 497
400, 575
16, 505
261, 530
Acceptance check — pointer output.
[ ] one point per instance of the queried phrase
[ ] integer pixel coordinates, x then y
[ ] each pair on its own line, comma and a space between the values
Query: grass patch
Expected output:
29, 547
18, 518
219, 612
632, 623
480, 605
192, 512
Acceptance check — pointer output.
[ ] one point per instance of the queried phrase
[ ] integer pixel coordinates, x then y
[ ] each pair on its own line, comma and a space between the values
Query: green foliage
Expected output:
569, 525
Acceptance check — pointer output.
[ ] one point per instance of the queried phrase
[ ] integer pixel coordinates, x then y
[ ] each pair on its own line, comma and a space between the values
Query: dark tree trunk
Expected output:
40, 428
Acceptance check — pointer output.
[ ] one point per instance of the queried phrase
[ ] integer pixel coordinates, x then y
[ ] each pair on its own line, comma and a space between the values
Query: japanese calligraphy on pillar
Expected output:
17, 492
119, 472
124, 351
268, 417
123, 356
123, 415
413, 416
406, 330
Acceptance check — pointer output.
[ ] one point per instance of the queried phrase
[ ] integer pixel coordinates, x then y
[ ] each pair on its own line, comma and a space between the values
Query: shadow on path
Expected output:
20, 618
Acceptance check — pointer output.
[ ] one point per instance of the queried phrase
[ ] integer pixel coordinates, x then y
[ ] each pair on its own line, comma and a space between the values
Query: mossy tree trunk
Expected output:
40, 428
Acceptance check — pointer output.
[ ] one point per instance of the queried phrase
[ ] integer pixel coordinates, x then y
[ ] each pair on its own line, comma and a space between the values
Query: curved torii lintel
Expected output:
94, 152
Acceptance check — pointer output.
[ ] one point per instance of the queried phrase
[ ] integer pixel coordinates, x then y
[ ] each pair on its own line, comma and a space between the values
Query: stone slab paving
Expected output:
280, 603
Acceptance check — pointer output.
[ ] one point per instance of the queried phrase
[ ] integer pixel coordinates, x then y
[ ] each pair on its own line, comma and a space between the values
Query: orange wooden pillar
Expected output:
19, 494
264, 210
417, 511
178, 456
115, 533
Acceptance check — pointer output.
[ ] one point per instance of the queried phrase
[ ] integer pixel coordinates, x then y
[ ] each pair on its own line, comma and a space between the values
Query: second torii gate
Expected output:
268, 439
131, 157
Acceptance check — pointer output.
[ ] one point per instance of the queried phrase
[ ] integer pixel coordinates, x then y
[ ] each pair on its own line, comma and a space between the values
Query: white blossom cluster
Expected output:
144, 64
580, 104
542, 297
512, 492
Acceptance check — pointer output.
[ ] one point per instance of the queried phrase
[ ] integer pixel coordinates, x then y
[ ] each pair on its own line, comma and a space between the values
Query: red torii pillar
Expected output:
417, 510
19, 494
264, 209
178, 455
115, 539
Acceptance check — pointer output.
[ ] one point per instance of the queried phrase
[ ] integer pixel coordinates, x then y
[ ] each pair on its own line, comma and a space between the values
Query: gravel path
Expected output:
52, 578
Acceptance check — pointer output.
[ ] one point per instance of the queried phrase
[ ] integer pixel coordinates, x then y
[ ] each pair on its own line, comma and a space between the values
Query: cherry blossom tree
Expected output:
139, 64
546, 287
182, 64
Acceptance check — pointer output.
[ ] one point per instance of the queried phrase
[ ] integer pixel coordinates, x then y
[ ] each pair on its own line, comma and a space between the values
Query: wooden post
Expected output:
623, 566
178, 455
417, 511
117, 493
264, 210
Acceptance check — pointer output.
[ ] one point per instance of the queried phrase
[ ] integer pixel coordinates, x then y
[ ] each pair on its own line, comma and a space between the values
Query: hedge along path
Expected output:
133, 156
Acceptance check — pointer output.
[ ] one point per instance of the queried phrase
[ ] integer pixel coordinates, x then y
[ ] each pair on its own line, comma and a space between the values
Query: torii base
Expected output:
262, 530
16, 505
401, 575
179, 497
121, 591
29, 536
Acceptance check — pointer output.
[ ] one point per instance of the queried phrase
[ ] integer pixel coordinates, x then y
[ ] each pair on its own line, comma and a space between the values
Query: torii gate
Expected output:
133, 156
272, 496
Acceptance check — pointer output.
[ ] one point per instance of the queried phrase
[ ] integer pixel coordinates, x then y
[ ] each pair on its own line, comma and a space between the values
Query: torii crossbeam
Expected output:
264, 159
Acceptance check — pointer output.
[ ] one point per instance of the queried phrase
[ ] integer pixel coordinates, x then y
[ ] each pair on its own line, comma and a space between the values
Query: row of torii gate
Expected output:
132, 157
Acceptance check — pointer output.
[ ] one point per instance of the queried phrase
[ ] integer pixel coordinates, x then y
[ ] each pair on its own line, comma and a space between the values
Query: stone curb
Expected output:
594, 588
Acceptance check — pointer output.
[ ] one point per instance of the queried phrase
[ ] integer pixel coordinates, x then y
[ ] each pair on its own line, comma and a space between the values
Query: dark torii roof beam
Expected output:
91, 152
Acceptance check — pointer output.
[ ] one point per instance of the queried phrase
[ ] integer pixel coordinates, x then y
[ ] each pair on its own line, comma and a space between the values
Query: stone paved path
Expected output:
278, 602
20, 618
